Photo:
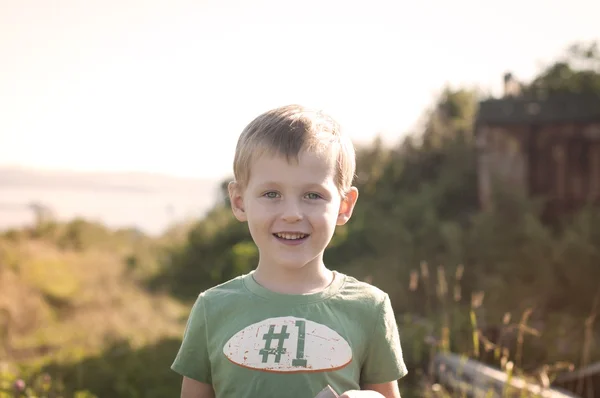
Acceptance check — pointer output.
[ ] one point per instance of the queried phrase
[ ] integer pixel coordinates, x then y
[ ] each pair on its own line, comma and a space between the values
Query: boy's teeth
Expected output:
290, 236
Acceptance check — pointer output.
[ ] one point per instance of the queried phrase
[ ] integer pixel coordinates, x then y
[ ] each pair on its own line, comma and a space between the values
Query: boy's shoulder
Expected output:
356, 289
234, 285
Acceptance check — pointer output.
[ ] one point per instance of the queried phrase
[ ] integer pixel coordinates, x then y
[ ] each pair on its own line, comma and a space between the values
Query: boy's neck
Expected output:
305, 280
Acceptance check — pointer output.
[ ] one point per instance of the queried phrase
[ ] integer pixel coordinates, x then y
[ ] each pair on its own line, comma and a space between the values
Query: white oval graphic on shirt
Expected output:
288, 345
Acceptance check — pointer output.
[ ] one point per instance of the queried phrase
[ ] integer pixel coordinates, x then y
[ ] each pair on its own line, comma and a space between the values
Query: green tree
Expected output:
576, 72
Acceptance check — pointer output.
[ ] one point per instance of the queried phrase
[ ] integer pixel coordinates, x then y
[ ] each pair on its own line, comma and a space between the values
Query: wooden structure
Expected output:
546, 148
472, 379
584, 382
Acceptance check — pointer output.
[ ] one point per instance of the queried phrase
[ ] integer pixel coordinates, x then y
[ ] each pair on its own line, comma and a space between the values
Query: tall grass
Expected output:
462, 328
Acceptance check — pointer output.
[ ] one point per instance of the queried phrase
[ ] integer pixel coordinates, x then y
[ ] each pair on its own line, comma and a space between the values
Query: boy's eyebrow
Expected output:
316, 185
310, 185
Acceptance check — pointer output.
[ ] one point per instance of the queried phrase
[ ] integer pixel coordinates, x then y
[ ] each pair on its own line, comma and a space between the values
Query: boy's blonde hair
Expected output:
287, 131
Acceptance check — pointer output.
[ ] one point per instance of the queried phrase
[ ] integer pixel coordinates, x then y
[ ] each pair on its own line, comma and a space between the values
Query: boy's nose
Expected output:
292, 213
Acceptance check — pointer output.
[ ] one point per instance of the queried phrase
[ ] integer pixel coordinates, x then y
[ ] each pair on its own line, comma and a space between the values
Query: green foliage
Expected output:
120, 371
36, 385
244, 256
545, 266
8, 255
418, 207
124, 371
216, 249
65, 293
577, 72
53, 278
80, 234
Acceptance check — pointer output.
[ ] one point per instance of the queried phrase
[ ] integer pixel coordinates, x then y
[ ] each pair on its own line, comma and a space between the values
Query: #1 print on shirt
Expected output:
288, 345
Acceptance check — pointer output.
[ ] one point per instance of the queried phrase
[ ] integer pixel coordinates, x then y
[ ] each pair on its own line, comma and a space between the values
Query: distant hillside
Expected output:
147, 201
135, 181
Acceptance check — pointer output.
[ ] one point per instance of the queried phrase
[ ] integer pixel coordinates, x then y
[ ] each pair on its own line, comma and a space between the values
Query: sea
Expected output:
151, 206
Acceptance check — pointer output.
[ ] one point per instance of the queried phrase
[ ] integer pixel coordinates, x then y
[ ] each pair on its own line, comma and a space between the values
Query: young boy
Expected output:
291, 327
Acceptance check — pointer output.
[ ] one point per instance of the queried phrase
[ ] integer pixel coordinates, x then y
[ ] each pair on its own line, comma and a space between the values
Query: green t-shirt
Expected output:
248, 341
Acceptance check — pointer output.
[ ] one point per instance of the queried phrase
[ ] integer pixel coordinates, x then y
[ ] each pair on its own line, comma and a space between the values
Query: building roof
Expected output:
526, 110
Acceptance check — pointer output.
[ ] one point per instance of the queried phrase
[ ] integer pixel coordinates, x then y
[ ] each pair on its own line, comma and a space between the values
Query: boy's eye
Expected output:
313, 195
271, 195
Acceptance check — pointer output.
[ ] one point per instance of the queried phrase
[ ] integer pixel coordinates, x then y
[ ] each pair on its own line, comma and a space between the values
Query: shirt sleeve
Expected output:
192, 359
384, 361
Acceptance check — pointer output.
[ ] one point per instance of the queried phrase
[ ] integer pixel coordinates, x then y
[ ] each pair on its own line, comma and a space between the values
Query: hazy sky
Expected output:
168, 85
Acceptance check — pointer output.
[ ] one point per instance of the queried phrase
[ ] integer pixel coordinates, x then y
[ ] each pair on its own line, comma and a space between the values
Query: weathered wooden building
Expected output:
546, 148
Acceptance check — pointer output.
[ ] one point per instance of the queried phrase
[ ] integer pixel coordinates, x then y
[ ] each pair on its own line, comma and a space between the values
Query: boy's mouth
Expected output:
290, 235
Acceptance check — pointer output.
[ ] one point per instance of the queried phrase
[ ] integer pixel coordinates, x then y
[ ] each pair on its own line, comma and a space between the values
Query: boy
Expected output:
291, 327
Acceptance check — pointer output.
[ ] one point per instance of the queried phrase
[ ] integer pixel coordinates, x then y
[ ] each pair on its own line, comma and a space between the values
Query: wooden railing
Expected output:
473, 379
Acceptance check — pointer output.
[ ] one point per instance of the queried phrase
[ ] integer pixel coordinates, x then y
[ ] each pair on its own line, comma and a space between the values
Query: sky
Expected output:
167, 86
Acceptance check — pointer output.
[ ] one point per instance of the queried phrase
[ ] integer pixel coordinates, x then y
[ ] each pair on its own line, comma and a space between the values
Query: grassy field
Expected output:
77, 319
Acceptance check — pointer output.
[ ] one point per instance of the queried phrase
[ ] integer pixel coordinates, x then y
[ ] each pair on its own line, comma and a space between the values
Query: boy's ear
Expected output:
347, 206
237, 201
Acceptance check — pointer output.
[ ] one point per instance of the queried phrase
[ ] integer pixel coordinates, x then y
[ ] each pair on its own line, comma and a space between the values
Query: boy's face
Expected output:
292, 209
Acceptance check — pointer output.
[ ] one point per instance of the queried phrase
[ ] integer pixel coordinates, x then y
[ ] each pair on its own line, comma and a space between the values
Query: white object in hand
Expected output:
327, 392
